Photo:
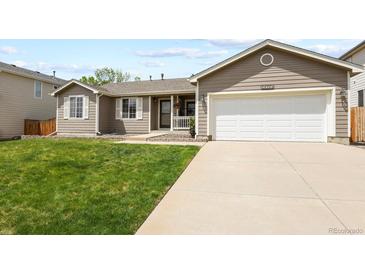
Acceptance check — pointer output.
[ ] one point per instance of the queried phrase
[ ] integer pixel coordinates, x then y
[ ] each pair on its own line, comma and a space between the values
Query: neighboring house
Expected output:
269, 92
356, 55
24, 94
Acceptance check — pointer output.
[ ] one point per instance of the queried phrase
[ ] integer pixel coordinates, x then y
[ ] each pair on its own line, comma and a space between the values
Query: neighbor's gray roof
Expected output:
30, 73
178, 84
352, 50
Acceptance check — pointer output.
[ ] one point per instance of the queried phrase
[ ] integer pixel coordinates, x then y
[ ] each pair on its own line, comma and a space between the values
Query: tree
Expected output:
90, 80
137, 78
106, 75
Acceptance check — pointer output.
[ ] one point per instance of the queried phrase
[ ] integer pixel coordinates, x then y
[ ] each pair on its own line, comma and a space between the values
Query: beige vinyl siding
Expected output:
130, 126
17, 103
358, 57
288, 71
76, 126
357, 83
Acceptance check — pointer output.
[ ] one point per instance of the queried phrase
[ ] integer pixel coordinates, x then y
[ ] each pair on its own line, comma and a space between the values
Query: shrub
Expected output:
192, 126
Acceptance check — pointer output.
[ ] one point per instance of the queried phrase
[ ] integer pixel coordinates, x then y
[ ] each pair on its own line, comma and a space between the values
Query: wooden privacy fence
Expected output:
37, 127
358, 124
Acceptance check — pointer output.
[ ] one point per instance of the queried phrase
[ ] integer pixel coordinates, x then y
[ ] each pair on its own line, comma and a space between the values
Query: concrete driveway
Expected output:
266, 188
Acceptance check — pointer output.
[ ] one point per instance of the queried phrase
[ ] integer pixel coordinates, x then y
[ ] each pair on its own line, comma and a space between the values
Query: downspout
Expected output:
348, 105
197, 110
57, 114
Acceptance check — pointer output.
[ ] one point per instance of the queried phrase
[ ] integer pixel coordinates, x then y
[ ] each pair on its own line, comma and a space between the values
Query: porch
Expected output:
172, 113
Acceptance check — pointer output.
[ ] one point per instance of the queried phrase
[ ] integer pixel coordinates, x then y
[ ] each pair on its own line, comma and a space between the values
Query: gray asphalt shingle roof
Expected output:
178, 84
31, 73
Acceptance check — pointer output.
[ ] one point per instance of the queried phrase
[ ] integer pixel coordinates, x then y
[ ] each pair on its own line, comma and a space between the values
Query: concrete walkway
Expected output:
141, 142
143, 137
266, 188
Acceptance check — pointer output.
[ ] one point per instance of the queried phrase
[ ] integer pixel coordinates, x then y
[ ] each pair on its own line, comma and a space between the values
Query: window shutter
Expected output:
66, 107
139, 108
86, 107
117, 109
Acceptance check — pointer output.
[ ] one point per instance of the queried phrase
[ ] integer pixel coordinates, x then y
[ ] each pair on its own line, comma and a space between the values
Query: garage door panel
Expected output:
250, 122
280, 136
279, 122
281, 118
307, 136
226, 122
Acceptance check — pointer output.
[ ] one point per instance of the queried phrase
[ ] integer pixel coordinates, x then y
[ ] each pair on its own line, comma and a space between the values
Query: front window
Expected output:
37, 89
129, 108
76, 106
190, 108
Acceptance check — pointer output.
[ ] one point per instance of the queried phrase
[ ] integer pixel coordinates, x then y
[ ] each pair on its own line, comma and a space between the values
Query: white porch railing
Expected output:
181, 122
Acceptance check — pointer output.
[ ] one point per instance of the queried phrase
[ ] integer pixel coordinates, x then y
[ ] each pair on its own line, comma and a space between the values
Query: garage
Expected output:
299, 118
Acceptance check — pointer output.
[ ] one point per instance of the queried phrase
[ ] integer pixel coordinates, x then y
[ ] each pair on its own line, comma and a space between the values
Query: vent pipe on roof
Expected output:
161, 76
150, 77
54, 74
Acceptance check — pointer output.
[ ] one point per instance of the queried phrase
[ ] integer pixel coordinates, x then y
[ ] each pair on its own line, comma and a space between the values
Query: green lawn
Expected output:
78, 186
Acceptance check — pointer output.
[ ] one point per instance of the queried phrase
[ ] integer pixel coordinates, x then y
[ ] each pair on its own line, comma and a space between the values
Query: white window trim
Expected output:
83, 102
121, 108
34, 91
262, 59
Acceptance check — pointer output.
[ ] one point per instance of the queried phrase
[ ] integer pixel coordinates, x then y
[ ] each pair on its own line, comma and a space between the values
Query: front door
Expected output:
165, 113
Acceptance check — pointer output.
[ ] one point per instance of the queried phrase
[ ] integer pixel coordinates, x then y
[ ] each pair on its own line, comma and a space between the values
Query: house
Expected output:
356, 55
269, 92
24, 94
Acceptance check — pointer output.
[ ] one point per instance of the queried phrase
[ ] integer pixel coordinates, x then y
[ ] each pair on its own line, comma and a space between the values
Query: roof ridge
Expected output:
153, 80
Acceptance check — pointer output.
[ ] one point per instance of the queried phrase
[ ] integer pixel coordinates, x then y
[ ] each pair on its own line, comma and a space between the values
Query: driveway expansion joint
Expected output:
309, 185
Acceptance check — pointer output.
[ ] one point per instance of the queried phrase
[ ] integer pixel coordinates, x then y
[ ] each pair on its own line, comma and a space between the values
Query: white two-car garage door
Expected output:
276, 118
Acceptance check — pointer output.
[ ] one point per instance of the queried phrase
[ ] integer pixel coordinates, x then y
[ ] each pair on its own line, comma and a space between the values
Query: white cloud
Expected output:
72, 68
233, 43
19, 63
152, 64
290, 41
8, 50
329, 49
185, 52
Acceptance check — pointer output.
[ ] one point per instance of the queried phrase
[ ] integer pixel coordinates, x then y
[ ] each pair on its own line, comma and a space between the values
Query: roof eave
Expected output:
352, 51
151, 93
355, 69
55, 82
95, 91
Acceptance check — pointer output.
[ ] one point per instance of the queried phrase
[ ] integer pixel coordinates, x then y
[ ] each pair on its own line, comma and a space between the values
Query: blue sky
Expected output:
174, 58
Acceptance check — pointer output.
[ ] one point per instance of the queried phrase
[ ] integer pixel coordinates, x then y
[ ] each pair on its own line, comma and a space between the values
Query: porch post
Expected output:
172, 113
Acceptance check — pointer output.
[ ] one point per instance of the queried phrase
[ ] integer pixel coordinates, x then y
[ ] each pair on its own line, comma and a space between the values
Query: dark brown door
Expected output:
165, 114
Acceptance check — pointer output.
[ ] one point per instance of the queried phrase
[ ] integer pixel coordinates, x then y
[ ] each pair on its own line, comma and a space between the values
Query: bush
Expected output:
192, 126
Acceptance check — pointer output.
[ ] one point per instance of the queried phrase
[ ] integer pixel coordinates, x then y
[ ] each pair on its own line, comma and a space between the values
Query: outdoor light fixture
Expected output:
202, 97
343, 93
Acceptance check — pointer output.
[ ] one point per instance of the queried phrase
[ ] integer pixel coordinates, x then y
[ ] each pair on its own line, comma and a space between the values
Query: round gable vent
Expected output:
266, 59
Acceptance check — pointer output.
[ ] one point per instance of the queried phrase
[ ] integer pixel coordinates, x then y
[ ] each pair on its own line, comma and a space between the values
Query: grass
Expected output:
78, 186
